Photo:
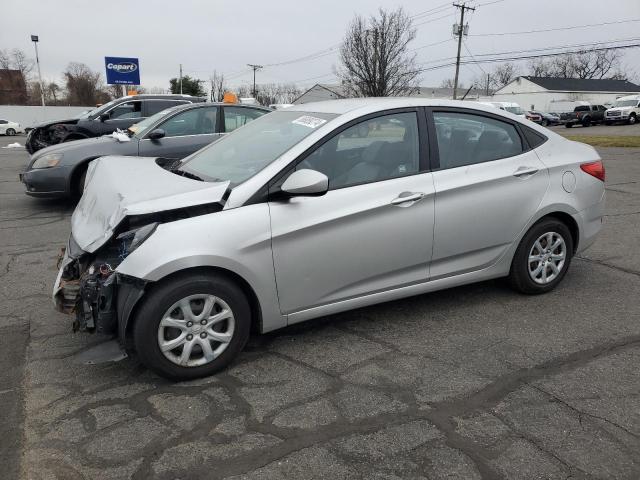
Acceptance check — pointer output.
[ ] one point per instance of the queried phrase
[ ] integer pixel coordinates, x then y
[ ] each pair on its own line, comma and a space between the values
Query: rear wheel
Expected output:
192, 326
568, 125
10, 132
542, 258
545, 122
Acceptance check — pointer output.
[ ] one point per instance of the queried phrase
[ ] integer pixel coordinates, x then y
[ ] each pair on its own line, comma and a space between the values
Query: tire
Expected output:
632, 120
10, 132
586, 122
164, 302
545, 123
568, 125
521, 274
607, 123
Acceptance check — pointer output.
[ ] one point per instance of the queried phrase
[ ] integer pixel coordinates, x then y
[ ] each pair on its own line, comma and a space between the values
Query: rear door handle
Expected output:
406, 197
525, 171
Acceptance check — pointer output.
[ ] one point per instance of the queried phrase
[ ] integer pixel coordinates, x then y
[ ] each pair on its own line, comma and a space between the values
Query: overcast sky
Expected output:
226, 35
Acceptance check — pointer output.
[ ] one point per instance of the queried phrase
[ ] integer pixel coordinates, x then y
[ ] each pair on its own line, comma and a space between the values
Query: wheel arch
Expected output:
568, 220
78, 169
126, 323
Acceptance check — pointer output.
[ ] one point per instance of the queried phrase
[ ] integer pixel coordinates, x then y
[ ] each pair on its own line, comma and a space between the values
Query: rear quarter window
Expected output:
534, 139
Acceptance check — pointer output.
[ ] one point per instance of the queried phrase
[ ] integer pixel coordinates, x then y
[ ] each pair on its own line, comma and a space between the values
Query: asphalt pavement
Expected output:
473, 382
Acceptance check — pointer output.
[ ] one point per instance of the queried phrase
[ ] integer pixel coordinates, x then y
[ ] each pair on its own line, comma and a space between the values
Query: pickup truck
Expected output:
584, 115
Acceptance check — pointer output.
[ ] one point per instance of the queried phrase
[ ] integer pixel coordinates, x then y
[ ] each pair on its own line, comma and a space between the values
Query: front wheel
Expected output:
632, 119
542, 258
192, 326
10, 132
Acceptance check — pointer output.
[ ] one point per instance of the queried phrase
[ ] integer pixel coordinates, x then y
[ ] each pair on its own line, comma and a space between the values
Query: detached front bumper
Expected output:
100, 298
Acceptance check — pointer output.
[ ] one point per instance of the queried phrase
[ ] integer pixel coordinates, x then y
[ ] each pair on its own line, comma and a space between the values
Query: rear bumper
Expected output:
590, 221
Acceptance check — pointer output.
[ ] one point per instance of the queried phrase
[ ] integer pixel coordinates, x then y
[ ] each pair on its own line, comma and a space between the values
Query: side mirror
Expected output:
306, 182
156, 134
104, 117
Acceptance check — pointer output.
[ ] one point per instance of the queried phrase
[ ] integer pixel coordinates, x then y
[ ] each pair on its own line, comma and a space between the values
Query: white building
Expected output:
540, 93
320, 92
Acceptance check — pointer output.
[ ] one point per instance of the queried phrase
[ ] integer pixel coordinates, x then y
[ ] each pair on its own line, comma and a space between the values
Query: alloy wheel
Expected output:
547, 258
195, 330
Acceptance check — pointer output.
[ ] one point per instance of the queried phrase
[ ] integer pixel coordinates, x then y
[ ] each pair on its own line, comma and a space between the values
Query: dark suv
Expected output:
584, 115
120, 113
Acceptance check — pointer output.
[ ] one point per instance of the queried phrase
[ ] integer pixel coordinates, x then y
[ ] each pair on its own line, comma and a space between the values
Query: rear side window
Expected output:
466, 139
236, 117
534, 139
155, 106
582, 108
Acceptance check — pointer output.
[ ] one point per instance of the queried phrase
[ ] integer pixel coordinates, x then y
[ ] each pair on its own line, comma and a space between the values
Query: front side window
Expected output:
465, 139
126, 110
236, 117
196, 121
377, 149
243, 153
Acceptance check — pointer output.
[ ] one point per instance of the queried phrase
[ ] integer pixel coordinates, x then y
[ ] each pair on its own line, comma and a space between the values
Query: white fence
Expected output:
28, 116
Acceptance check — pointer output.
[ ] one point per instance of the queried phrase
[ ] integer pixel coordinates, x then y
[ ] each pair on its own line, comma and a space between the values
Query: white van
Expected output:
626, 109
510, 107
566, 106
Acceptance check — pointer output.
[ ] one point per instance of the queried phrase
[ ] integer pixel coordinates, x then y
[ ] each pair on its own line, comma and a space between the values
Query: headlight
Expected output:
129, 241
48, 160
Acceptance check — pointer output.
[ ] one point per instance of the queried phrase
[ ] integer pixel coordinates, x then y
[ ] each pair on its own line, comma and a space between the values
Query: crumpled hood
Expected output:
68, 121
117, 187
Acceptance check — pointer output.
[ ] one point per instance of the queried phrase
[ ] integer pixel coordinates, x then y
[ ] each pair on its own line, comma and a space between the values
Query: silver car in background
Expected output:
318, 209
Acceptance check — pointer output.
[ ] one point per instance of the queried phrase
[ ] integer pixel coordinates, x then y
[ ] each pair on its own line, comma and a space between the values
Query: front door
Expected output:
371, 232
184, 133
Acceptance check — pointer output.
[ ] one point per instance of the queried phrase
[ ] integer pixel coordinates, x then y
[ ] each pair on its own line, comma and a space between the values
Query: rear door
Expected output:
185, 133
121, 117
488, 186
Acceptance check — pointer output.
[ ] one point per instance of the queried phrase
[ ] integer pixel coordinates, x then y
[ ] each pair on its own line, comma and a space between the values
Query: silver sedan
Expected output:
318, 209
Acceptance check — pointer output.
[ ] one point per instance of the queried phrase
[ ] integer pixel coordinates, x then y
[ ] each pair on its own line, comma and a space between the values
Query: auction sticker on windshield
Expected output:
309, 121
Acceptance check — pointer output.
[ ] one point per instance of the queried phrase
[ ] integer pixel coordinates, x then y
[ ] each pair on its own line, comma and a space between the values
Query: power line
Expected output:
555, 29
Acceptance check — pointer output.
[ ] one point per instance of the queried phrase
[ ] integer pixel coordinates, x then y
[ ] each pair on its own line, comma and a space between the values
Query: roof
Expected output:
584, 84
342, 106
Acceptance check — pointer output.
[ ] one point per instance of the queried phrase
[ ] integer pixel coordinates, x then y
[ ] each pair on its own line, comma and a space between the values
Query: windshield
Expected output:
140, 129
249, 149
627, 103
514, 110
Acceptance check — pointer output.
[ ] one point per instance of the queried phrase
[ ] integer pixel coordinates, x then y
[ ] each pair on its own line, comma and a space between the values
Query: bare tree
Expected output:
375, 58
587, 64
448, 83
84, 86
502, 75
218, 86
21, 62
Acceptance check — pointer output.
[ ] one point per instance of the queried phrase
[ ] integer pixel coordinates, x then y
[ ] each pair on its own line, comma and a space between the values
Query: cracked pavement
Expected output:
476, 382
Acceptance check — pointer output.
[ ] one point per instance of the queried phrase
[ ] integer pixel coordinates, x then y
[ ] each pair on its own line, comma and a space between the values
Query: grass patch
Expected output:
607, 140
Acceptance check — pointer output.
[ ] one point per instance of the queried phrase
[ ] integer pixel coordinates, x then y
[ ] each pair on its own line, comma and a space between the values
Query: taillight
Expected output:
595, 169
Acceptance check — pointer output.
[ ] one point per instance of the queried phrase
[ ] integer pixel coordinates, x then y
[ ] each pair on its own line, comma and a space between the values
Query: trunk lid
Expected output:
117, 187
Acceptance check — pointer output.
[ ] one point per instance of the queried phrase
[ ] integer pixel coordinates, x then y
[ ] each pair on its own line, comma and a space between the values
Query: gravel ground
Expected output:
473, 382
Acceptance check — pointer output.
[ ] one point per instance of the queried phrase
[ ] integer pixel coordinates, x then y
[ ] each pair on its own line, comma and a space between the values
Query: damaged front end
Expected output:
43, 136
89, 287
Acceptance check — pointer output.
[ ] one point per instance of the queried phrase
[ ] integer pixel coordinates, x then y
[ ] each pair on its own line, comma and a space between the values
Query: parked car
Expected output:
9, 128
183, 263
510, 107
60, 170
626, 109
117, 114
543, 118
584, 115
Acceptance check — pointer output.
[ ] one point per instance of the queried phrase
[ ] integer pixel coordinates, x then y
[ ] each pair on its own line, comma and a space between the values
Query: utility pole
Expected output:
488, 82
180, 79
35, 39
254, 67
459, 31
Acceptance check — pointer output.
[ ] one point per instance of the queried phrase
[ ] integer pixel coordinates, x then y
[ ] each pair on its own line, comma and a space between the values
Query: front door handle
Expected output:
406, 197
525, 171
